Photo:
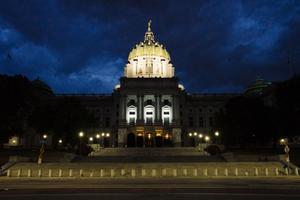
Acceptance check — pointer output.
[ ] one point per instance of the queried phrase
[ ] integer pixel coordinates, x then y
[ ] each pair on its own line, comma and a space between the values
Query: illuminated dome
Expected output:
149, 59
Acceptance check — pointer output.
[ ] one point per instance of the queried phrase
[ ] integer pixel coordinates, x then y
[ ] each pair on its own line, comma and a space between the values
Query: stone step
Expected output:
149, 152
149, 159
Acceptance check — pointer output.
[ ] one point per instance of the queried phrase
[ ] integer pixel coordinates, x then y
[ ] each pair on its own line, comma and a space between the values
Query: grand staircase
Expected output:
149, 155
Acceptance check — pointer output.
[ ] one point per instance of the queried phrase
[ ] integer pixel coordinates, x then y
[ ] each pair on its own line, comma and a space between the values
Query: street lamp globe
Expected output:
195, 133
81, 134
45, 136
107, 135
217, 133
200, 135
207, 138
283, 141
98, 136
190, 134
60, 141
102, 134
91, 139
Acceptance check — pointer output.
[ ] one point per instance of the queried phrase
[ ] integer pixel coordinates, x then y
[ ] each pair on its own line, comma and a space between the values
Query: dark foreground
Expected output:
123, 189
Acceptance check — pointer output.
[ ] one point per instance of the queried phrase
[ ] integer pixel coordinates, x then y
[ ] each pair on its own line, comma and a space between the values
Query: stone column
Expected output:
121, 109
124, 109
138, 108
173, 109
142, 109
177, 108
159, 108
156, 109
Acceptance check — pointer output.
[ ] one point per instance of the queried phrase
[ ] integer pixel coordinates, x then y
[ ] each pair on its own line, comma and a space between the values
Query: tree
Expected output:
16, 104
64, 119
245, 121
287, 97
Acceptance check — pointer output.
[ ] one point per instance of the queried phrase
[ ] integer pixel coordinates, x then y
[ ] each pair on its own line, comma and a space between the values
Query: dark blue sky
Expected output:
215, 46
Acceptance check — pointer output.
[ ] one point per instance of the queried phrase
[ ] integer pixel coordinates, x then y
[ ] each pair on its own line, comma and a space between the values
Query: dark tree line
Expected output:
22, 110
16, 103
250, 121
63, 119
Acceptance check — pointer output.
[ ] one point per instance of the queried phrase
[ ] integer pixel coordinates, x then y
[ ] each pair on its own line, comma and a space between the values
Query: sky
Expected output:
218, 46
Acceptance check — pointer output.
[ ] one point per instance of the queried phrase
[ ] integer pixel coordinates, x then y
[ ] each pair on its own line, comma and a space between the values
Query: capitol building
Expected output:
149, 107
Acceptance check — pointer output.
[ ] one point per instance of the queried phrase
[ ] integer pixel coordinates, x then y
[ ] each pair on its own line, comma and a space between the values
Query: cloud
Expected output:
222, 45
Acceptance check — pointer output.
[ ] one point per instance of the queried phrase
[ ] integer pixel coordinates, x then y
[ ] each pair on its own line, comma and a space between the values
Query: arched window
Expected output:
166, 114
149, 113
131, 114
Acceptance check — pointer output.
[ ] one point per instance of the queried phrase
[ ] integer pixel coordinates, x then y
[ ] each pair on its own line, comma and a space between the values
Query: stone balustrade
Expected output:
188, 172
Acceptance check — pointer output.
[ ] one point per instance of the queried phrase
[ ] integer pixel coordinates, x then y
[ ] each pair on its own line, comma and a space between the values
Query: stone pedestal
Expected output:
122, 137
176, 137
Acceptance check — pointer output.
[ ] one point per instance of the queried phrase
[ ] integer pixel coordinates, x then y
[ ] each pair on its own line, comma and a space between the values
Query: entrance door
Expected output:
148, 140
167, 140
139, 141
158, 141
131, 140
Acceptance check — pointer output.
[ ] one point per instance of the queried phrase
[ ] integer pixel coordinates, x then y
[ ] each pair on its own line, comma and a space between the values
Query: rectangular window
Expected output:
201, 122
149, 120
191, 122
131, 120
148, 113
107, 122
211, 121
166, 120
131, 113
166, 113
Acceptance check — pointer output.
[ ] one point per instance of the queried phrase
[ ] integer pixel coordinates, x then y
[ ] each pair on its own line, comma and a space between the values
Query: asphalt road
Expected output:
164, 189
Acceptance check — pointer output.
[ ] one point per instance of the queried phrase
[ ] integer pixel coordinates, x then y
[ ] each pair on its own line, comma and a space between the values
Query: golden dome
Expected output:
149, 47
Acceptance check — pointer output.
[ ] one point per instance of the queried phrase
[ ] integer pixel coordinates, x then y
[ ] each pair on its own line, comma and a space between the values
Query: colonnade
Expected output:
158, 104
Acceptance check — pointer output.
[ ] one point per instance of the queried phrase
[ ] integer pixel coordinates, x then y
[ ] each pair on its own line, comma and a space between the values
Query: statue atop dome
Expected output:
149, 25
149, 36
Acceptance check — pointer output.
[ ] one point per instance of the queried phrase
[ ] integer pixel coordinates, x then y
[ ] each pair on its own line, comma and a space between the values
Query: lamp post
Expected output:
193, 135
80, 134
107, 135
196, 137
207, 139
98, 137
284, 142
102, 138
91, 139
217, 134
200, 146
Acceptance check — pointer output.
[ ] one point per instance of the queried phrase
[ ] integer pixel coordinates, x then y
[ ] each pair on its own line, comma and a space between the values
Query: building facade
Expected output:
150, 108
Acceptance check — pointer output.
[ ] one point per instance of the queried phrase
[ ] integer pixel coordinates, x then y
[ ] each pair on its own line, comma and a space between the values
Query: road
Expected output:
164, 189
